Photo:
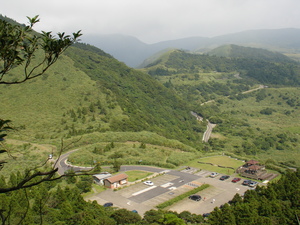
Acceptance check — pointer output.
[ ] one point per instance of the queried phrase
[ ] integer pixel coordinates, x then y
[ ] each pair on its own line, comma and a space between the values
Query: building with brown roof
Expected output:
254, 170
252, 162
116, 181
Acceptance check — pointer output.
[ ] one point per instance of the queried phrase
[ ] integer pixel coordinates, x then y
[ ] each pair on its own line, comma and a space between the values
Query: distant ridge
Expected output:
235, 51
133, 52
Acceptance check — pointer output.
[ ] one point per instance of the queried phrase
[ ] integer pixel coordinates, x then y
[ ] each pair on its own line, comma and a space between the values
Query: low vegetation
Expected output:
135, 175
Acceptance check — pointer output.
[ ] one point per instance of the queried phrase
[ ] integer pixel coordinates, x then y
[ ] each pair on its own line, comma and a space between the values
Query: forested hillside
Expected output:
259, 65
235, 51
147, 104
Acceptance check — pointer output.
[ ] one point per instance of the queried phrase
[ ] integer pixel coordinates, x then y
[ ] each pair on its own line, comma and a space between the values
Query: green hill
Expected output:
235, 51
89, 91
261, 66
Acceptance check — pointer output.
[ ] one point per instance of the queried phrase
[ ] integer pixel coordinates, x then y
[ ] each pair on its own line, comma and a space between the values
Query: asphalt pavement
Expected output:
167, 185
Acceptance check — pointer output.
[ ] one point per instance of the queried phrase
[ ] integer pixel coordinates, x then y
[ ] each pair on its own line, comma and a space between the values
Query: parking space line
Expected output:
144, 190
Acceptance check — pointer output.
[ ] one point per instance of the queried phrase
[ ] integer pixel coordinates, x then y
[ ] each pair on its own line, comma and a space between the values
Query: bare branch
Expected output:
33, 177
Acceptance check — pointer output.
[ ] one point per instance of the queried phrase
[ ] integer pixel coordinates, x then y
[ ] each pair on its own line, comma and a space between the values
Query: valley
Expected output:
180, 108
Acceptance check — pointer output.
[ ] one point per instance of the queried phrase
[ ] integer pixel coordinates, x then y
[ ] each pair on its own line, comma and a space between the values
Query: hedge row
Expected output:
180, 197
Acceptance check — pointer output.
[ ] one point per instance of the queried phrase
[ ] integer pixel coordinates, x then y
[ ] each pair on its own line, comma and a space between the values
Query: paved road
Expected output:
208, 131
63, 166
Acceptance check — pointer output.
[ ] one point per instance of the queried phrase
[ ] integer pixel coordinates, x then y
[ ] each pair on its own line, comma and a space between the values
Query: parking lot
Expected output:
142, 197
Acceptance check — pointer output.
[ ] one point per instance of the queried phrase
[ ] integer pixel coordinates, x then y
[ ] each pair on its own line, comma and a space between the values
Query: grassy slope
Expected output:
39, 105
285, 119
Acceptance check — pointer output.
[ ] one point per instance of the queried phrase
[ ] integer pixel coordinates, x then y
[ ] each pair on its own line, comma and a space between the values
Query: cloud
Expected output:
157, 20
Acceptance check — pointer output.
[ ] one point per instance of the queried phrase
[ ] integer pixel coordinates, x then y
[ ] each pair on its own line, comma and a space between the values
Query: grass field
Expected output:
224, 161
135, 175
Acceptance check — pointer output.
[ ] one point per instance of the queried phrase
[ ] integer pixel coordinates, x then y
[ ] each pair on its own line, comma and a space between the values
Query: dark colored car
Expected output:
195, 197
236, 179
108, 204
225, 177
206, 214
246, 182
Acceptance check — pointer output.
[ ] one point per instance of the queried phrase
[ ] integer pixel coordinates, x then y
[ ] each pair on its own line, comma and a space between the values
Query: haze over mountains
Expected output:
133, 52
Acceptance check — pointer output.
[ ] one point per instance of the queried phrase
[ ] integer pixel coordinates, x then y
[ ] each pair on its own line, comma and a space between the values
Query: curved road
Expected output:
63, 166
208, 131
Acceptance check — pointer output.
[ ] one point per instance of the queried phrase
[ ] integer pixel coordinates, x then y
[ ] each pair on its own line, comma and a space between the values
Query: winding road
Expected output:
208, 131
63, 166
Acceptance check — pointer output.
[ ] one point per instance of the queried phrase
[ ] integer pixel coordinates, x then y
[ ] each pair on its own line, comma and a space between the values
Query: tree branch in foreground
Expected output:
35, 176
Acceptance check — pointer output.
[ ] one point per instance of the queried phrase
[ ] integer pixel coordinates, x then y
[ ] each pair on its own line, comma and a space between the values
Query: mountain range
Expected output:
133, 52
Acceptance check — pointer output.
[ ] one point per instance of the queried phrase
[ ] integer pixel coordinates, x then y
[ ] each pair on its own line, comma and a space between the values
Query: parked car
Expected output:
148, 182
252, 184
135, 211
108, 204
214, 174
206, 214
246, 182
195, 197
224, 177
236, 179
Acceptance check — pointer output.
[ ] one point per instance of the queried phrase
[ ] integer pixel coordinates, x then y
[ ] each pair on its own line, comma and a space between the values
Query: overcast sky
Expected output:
156, 20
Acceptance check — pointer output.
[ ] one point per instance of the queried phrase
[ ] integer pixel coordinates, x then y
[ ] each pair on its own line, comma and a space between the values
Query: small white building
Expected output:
99, 178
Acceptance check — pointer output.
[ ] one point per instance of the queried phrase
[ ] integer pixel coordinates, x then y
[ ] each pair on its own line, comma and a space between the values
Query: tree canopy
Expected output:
20, 44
